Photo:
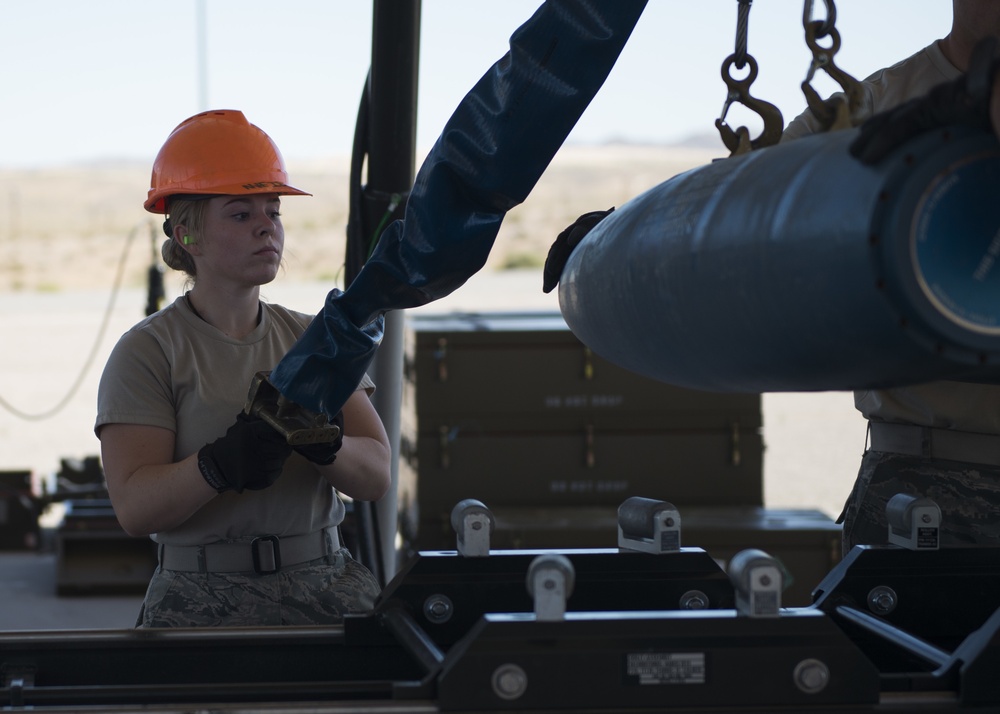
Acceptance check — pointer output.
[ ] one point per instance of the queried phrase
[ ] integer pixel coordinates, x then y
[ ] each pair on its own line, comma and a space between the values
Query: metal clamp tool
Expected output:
297, 424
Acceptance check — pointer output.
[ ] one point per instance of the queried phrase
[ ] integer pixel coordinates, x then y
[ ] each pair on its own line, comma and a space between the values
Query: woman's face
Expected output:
242, 239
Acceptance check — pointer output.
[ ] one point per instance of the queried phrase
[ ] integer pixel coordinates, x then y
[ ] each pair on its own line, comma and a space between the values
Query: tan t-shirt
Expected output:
950, 405
174, 370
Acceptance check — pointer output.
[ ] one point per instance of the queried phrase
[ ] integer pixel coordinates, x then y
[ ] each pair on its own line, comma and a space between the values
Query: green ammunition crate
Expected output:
94, 555
512, 409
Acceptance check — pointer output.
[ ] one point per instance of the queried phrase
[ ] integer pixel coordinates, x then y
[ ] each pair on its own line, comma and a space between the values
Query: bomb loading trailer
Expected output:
476, 630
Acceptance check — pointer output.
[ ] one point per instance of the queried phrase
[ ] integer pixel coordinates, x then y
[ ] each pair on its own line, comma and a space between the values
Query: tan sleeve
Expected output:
135, 385
366, 384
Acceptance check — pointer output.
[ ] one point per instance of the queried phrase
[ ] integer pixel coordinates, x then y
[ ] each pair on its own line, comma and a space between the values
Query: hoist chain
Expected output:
838, 111
826, 26
738, 141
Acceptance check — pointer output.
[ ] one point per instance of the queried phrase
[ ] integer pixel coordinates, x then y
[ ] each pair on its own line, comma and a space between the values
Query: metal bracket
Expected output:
16, 680
550, 582
914, 523
648, 526
473, 523
758, 581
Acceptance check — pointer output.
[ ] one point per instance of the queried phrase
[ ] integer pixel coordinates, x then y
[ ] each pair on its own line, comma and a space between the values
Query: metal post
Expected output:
391, 153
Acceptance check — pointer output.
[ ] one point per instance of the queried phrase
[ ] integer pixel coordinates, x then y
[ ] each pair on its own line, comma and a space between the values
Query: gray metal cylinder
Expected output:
797, 268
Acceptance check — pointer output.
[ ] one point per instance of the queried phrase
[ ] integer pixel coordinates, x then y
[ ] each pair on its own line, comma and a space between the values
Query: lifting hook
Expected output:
738, 141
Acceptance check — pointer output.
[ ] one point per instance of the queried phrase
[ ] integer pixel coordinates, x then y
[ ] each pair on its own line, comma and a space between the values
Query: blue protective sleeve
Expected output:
492, 151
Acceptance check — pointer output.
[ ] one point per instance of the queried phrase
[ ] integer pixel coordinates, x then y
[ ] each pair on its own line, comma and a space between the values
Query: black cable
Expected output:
116, 287
154, 277
742, 29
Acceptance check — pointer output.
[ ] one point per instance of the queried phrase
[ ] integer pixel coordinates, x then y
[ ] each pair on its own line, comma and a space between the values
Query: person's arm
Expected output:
149, 492
362, 469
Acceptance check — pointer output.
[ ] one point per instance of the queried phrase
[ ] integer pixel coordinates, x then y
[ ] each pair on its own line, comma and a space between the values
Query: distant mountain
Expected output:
704, 140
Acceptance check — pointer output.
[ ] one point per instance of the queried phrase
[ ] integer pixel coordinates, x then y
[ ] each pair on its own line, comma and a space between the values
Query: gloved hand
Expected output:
324, 453
565, 243
250, 456
965, 100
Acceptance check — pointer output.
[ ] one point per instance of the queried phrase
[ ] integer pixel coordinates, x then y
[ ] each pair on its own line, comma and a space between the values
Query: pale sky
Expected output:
110, 79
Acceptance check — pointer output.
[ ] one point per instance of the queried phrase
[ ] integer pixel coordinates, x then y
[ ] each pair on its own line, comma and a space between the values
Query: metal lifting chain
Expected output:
738, 141
838, 111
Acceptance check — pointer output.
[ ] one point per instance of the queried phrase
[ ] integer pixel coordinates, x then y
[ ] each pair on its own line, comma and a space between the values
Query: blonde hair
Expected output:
190, 214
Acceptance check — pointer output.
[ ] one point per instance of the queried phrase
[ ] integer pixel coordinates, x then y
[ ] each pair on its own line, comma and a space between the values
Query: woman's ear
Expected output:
185, 239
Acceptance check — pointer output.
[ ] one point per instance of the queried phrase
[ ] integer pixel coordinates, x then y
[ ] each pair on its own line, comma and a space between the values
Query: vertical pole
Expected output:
391, 168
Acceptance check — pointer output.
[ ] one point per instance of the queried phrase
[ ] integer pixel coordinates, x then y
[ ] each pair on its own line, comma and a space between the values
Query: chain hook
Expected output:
738, 141
837, 111
827, 25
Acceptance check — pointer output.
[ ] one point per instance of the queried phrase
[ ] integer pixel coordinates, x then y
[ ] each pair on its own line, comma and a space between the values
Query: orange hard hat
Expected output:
214, 153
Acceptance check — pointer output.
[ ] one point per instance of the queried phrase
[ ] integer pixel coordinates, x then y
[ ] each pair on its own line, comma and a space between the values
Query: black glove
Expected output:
326, 452
965, 100
565, 243
250, 456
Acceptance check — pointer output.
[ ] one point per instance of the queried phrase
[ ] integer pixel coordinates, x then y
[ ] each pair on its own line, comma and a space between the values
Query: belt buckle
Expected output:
275, 551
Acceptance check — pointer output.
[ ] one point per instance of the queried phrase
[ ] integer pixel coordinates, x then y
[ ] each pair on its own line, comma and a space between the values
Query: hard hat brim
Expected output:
157, 201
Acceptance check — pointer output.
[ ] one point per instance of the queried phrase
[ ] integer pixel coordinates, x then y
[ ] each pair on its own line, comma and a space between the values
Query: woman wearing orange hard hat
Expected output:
247, 525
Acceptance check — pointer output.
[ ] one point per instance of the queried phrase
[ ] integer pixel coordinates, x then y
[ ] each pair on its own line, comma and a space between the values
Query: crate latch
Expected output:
590, 457
734, 444
441, 357
445, 435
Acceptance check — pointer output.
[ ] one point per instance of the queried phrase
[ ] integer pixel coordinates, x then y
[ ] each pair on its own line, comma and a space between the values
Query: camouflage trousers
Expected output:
968, 495
317, 592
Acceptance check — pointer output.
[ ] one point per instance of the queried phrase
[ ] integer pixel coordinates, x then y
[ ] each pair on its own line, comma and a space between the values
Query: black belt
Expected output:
263, 555
929, 442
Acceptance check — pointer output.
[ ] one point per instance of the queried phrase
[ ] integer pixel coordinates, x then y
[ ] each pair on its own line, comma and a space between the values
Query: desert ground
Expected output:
71, 235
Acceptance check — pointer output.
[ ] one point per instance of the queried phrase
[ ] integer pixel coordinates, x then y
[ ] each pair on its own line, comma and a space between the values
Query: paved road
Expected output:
29, 600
